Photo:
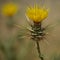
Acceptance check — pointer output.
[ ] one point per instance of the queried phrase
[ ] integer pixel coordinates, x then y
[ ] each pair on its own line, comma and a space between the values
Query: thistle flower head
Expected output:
9, 9
36, 13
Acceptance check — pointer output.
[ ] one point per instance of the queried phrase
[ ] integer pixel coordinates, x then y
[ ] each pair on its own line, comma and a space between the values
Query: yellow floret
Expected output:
36, 13
9, 9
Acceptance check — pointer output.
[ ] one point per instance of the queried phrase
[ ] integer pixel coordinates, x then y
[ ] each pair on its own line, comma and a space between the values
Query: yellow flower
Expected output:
36, 13
9, 9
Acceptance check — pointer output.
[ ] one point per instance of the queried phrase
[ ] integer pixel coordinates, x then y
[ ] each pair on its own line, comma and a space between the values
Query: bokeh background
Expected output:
15, 43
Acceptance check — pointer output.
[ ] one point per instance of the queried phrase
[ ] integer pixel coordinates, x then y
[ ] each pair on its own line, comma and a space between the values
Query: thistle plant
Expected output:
37, 14
9, 10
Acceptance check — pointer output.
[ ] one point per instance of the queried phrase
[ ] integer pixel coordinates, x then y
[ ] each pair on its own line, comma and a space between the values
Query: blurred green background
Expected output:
15, 44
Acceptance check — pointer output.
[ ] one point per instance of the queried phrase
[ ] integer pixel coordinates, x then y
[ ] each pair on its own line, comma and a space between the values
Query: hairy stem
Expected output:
38, 49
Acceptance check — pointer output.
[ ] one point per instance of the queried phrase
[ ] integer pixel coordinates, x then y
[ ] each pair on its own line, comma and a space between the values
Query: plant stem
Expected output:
38, 49
40, 25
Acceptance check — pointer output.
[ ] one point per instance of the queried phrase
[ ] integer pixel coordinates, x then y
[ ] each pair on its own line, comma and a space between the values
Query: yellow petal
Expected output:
36, 14
9, 9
